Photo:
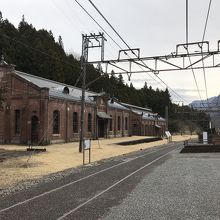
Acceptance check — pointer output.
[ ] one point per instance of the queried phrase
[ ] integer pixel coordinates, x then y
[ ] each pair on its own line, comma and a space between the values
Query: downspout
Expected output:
95, 134
130, 122
141, 124
67, 114
115, 131
123, 124
107, 124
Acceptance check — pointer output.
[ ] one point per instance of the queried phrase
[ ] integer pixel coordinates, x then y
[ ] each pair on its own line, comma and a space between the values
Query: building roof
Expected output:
137, 107
56, 88
2, 61
68, 92
146, 113
117, 105
103, 115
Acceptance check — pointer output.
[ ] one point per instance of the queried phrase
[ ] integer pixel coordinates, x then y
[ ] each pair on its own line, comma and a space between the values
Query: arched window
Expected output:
17, 121
75, 122
126, 123
119, 123
89, 122
56, 122
110, 123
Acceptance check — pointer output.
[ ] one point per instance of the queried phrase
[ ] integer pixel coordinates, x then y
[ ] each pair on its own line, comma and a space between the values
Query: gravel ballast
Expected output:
184, 187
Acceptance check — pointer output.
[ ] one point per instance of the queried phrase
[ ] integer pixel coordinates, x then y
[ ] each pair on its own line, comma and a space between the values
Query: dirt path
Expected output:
63, 156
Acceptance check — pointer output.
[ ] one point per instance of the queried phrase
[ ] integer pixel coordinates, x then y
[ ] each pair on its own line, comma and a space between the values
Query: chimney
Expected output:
5, 68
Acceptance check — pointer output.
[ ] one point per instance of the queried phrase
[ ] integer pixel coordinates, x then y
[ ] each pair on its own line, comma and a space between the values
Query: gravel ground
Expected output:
185, 187
26, 184
60, 157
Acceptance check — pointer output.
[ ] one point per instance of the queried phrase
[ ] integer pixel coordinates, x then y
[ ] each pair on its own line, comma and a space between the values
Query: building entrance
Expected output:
101, 128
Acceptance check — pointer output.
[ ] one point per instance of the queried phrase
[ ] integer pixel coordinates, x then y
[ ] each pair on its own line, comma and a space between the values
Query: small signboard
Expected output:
86, 146
205, 137
168, 135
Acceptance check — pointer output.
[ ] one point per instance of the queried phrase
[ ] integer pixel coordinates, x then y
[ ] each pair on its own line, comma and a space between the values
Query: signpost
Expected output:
205, 137
169, 136
86, 146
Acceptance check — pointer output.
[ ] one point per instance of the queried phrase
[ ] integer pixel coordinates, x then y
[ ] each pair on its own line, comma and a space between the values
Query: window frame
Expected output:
110, 124
75, 122
119, 123
17, 121
56, 122
89, 122
126, 123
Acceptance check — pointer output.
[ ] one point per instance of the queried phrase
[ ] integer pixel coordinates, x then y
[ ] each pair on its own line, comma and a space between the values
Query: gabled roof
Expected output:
136, 107
117, 105
56, 88
145, 113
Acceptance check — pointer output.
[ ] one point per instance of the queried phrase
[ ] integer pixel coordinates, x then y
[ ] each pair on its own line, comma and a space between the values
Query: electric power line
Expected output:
206, 22
187, 22
203, 37
204, 73
129, 46
112, 38
194, 76
39, 51
97, 24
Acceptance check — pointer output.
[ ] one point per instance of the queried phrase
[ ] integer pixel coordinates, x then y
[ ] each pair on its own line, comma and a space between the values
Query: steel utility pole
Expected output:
88, 41
187, 22
82, 130
166, 116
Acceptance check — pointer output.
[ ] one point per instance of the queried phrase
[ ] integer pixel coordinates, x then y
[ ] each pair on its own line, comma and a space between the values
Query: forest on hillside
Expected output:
37, 52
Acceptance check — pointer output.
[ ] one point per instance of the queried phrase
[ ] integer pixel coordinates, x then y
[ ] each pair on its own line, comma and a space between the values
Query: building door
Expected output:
34, 130
101, 128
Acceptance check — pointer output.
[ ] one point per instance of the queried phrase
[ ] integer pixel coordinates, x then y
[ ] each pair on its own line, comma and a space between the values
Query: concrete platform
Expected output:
201, 148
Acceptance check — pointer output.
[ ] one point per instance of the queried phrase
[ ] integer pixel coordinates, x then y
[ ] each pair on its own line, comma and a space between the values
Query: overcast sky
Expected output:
154, 26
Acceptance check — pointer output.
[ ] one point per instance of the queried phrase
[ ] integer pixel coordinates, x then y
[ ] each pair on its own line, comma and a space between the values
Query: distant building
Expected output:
212, 108
41, 111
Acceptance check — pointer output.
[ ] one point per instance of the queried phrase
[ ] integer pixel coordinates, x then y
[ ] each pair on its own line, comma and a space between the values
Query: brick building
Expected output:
41, 111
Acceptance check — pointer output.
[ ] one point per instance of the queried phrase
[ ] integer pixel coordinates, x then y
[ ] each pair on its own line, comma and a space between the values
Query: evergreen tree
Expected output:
39, 54
1, 18
60, 40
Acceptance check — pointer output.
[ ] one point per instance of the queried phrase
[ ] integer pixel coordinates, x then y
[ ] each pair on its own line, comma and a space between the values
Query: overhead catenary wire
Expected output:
97, 23
55, 58
187, 49
34, 49
187, 41
207, 18
86, 11
187, 21
203, 38
42, 52
194, 76
46, 54
100, 13
69, 17
130, 47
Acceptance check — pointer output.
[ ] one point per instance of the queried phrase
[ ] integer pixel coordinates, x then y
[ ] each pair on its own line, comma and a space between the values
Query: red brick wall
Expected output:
66, 109
33, 101
29, 100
